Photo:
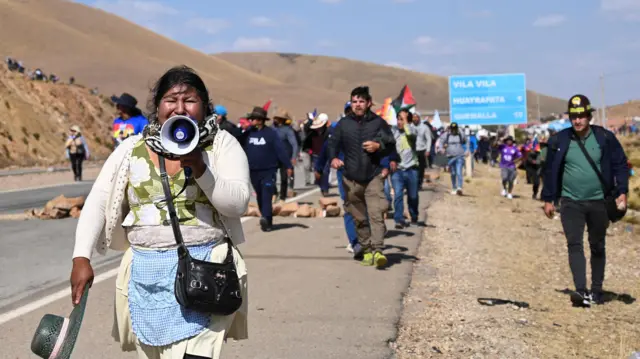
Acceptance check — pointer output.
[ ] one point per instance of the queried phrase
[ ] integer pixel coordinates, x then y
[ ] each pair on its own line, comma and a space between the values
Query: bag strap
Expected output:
175, 223
591, 162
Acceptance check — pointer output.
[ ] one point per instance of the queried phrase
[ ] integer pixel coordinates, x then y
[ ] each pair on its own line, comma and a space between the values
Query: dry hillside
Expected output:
625, 110
103, 50
35, 117
341, 75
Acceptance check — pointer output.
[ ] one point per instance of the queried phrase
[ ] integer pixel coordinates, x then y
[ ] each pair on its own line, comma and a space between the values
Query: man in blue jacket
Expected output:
266, 153
585, 166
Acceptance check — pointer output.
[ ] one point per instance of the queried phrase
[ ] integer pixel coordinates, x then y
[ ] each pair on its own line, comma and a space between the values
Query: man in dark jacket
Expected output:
571, 178
288, 137
225, 124
266, 154
365, 139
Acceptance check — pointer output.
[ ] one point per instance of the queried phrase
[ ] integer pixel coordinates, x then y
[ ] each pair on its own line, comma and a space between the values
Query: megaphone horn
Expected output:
179, 135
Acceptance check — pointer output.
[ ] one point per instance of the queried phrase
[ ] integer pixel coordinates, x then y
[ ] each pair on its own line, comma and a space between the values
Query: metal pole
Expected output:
538, 100
603, 118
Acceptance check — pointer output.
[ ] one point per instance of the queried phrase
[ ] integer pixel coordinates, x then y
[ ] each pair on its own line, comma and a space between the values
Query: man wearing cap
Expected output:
365, 138
423, 145
130, 120
318, 131
266, 153
288, 137
224, 123
586, 169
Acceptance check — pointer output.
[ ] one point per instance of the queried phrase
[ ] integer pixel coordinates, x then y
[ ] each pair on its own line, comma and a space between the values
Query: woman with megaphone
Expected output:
172, 199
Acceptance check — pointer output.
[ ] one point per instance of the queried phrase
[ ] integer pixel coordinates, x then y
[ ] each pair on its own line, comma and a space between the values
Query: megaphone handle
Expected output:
187, 172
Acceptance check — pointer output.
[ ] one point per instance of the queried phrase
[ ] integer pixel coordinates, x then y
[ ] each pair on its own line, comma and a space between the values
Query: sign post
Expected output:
488, 99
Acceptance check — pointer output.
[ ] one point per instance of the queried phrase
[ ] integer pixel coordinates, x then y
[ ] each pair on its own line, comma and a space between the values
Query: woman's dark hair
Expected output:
179, 75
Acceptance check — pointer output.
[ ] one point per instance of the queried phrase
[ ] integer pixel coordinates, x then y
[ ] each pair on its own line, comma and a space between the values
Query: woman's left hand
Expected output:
195, 161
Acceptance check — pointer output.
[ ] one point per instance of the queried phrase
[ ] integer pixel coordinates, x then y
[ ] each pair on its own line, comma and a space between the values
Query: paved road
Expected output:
19, 201
308, 299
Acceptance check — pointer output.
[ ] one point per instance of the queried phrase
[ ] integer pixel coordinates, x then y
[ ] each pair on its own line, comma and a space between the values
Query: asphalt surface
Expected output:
308, 298
19, 201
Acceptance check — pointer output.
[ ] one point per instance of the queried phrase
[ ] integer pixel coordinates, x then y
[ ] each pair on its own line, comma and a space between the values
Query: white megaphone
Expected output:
179, 135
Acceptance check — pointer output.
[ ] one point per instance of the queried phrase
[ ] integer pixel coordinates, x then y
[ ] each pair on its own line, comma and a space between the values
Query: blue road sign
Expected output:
488, 99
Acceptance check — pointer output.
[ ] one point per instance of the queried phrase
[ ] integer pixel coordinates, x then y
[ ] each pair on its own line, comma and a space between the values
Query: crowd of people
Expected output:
146, 203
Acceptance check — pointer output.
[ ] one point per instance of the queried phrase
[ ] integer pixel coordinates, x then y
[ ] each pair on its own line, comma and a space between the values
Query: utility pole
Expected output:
538, 101
603, 117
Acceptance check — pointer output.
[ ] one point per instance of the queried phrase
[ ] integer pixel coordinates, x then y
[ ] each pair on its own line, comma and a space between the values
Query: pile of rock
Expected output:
59, 207
328, 208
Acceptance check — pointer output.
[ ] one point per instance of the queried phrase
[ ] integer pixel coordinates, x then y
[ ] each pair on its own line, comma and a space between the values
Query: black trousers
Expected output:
533, 176
285, 183
76, 165
574, 216
422, 165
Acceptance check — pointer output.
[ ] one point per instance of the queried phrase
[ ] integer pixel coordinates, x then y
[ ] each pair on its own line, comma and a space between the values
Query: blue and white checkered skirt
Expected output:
157, 318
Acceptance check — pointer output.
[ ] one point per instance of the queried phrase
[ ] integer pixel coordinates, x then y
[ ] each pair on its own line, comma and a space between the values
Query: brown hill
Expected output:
341, 75
35, 117
621, 113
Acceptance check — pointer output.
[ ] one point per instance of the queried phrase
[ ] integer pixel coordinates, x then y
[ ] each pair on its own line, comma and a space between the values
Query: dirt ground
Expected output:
9, 183
482, 245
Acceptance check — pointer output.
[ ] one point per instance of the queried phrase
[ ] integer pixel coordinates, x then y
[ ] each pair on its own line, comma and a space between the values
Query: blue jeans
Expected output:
324, 176
401, 180
349, 224
387, 189
455, 166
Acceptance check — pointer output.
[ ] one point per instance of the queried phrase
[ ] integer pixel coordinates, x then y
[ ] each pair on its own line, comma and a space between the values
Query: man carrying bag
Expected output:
586, 168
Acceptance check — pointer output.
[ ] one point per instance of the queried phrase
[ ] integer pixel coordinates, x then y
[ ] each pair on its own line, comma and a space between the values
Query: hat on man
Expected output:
258, 113
125, 100
579, 106
220, 110
56, 336
284, 117
320, 121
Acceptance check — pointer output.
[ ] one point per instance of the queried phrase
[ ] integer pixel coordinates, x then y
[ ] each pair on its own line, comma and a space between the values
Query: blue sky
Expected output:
562, 46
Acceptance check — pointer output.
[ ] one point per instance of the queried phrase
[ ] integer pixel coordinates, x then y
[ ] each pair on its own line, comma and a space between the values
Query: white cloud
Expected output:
626, 9
430, 46
326, 43
403, 1
257, 44
331, 1
549, 20
261, 21
209, 26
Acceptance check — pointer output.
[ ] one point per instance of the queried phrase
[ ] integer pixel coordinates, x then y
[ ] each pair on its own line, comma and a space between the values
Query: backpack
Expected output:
462, 140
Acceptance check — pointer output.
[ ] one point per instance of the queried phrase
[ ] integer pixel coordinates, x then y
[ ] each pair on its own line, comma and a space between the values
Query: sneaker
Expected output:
459, 191
454, 192
509, 196
503, 193
379, 259
582, 299
358, 252
349, 248
367, 259
597, 297
400, 225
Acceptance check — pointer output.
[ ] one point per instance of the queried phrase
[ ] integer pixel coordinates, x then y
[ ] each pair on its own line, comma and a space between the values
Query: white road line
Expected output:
44, 187
10, 315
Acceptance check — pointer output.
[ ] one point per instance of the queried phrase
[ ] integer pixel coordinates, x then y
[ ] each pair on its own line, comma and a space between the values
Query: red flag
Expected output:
267, 105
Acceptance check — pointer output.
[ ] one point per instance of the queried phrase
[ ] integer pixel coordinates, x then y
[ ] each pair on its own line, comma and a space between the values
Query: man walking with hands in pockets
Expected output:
364, 138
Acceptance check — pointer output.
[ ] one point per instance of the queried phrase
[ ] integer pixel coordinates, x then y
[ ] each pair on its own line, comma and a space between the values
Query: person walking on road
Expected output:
586, 168
318, 131
224, 123
76, 151
423, 143
405, 174
365, 138
289, 139
266, 153
453, 143
126, 210
509, 154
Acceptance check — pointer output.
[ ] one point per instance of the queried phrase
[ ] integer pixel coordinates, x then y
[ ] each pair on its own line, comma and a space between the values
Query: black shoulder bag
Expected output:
613, 212
200, 285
